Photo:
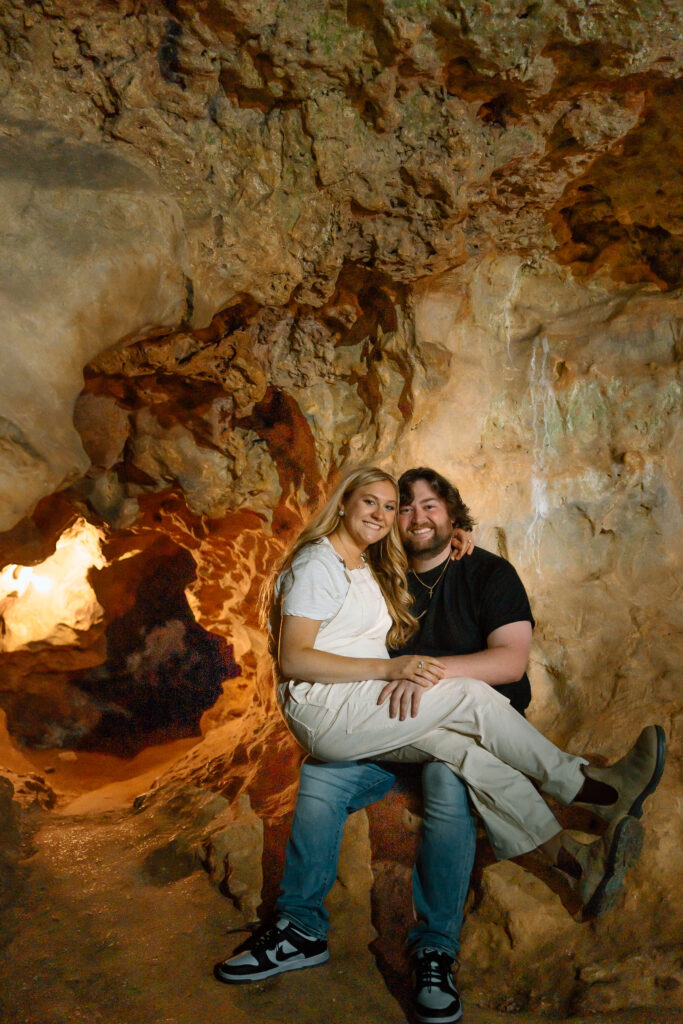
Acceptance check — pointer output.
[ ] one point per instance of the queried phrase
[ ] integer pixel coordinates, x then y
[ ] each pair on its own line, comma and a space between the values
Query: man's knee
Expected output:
443, 790
343, 785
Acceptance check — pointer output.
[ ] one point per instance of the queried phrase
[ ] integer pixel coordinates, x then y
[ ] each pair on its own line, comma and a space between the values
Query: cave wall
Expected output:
245, 244
560, 419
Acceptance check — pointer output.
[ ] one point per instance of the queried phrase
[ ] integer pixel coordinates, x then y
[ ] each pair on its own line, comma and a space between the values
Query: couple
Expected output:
450, 700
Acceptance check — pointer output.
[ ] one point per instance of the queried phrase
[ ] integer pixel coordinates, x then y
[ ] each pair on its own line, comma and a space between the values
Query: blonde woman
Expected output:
348, 568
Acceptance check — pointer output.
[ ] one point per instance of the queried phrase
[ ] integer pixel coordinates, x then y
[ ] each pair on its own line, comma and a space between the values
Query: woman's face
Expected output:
369, 512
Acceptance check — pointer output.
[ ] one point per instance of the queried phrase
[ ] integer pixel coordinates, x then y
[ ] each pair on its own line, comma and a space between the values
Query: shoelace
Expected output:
263, 938
432, 970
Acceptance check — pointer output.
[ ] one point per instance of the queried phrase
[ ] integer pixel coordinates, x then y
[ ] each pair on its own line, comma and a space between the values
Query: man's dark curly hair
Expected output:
457, 509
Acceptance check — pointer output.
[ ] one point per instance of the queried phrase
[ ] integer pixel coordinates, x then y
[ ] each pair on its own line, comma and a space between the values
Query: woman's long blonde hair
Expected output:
386, 557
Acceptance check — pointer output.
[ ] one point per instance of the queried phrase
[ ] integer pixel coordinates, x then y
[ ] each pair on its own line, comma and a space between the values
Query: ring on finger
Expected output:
420, 665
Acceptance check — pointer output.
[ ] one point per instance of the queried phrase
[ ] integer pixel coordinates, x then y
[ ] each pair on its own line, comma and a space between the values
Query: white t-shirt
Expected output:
350, 605
315, 584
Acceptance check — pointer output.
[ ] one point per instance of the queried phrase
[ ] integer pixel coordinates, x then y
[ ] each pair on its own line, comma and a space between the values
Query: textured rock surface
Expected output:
9, 844
91, 254
277, 238
560, 419
261, 149
159, 934
145, 670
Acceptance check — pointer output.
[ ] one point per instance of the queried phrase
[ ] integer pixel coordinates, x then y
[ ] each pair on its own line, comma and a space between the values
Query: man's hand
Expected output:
405, 697
462, 543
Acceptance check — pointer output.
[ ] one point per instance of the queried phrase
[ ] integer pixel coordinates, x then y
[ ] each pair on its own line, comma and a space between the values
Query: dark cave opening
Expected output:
145, 675
163, 670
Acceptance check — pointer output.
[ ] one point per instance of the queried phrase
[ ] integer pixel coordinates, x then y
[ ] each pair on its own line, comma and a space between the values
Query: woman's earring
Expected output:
341, 511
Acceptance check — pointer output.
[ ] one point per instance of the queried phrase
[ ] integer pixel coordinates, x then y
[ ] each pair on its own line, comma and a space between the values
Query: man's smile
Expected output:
422, 533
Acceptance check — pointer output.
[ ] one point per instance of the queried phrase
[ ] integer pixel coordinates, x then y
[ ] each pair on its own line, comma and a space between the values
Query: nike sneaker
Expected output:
271, 950
435, 997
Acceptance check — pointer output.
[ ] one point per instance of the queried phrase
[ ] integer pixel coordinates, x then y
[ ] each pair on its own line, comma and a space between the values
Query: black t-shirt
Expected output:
476, 595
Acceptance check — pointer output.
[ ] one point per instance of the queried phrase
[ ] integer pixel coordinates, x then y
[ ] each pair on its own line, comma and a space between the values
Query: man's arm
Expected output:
504, 661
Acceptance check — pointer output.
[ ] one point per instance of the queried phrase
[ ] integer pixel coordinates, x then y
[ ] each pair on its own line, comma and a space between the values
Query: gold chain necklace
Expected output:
435, 583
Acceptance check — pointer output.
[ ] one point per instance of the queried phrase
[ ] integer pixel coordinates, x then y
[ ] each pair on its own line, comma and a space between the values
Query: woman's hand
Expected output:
405, 698
462, 543
416, 668
409, 676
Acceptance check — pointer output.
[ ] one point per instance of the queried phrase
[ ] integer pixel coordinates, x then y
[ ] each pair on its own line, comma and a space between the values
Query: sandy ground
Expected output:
94, 939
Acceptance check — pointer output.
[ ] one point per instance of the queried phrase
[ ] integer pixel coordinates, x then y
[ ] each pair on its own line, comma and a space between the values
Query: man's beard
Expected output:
430, 545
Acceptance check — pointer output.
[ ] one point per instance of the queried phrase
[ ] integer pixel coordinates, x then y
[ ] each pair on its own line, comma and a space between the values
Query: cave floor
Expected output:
93, 939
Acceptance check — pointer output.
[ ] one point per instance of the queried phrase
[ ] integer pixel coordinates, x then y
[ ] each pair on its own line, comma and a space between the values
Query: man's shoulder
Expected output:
498, 584
487, 573
484, 555
488, 561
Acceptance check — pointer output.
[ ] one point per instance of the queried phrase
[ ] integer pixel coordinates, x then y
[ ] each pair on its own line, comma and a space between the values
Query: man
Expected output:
474, 616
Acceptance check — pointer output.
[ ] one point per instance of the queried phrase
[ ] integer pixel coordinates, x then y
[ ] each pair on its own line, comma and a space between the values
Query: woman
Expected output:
340, 596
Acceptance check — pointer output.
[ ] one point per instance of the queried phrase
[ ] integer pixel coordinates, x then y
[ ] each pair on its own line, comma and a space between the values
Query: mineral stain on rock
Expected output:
169, 59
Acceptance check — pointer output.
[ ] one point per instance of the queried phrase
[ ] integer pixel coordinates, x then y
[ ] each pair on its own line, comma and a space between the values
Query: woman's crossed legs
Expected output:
469, 726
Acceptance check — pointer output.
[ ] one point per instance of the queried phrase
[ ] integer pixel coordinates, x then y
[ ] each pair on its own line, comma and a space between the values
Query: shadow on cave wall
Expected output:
163, 670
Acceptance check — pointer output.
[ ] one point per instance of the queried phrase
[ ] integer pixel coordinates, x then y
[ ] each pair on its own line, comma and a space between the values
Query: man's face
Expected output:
424, 523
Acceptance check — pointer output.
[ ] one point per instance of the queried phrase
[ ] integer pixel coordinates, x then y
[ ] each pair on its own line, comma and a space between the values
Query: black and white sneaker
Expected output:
271, 950
435, 999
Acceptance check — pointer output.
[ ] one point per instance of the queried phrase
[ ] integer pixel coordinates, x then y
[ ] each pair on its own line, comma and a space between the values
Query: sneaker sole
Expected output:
298, 965
627, 843
422, 1018
636, 810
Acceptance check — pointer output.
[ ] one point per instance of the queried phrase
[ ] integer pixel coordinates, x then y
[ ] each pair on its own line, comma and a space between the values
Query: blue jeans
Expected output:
328, 793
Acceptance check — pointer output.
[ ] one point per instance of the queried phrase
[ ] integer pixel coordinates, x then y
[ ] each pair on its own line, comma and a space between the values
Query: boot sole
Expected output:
624, 851
636, 810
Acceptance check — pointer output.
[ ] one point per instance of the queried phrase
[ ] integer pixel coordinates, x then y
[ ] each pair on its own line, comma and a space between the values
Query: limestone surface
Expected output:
91, 254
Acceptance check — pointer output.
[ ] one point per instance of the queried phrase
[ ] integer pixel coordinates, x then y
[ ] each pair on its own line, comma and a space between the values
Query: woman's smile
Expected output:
368, 514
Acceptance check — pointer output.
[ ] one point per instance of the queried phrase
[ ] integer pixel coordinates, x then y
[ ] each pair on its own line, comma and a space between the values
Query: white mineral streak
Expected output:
507, 307
546, 421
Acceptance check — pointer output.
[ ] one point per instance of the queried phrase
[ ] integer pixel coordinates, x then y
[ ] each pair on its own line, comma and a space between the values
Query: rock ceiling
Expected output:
292, 171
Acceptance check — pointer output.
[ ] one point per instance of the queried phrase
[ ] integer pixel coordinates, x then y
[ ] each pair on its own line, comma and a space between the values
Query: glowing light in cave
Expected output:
52, 601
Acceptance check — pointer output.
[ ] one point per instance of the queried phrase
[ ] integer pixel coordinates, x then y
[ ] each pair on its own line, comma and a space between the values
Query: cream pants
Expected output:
470, 727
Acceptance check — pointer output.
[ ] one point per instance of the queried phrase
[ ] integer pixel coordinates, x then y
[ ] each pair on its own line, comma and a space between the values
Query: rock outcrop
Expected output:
91, 255
10, 843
